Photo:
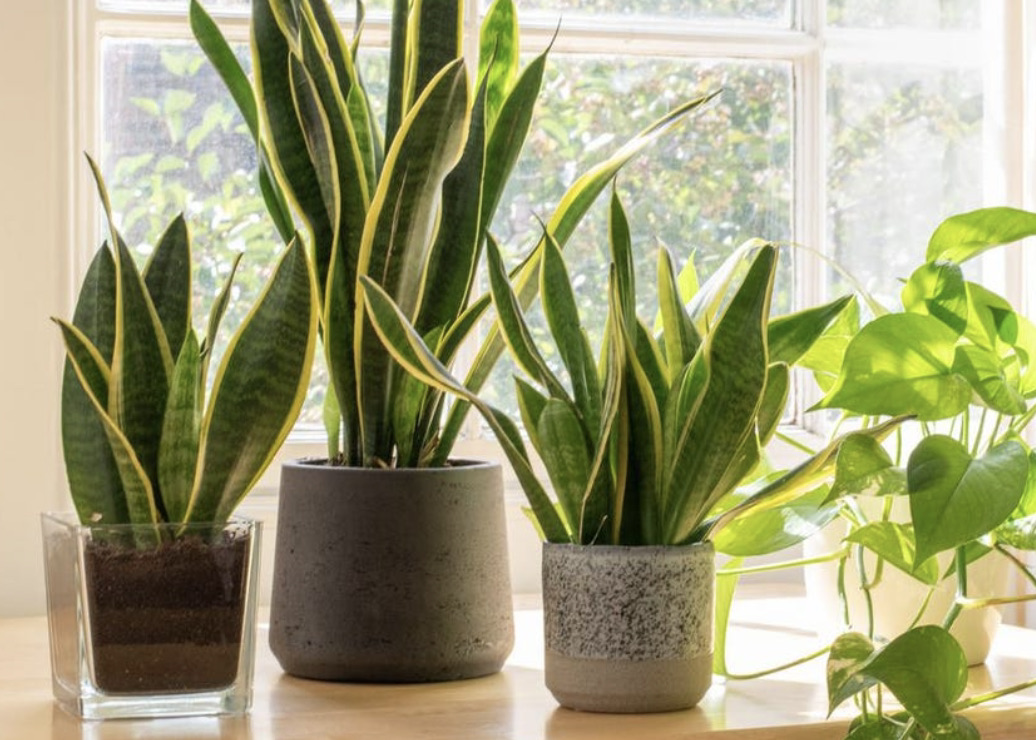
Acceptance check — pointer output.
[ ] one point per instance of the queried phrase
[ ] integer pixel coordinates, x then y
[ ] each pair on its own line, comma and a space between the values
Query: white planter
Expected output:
898, 597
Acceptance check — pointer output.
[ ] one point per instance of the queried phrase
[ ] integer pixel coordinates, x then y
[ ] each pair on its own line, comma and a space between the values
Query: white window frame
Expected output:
1009, 177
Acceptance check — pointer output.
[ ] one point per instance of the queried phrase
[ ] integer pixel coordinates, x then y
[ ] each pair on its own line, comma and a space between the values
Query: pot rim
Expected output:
70, 520
454, 464
631, 550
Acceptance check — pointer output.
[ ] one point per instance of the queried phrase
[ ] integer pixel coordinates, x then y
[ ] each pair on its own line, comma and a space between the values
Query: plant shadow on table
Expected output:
485, 707
568, 723
67, 727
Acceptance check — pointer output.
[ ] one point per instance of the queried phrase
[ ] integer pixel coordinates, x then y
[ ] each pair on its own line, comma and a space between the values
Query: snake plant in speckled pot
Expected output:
650, 448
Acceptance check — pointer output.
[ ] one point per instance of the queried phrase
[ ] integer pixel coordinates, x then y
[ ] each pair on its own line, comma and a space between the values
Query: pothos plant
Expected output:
407, 206
649, 441
962, 362
147, 438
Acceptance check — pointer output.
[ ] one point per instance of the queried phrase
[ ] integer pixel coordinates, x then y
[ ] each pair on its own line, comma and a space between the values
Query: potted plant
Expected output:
151, 585
953, 495
645, 450
391, 556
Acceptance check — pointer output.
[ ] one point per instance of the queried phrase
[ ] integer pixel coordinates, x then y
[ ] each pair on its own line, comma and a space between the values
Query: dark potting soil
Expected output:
166, 619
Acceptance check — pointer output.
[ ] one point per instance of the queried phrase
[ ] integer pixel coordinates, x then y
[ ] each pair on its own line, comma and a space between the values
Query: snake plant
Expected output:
142, 443
643, 443
408, 206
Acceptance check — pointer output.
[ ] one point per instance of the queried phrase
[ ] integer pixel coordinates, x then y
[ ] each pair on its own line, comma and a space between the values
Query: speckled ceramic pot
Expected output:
628, 629
391, 575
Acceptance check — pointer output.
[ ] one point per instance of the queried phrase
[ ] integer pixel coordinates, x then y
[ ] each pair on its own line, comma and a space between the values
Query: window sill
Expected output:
515, 703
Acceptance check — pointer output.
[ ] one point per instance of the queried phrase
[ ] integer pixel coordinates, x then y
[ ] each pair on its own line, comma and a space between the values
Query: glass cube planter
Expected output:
151, 620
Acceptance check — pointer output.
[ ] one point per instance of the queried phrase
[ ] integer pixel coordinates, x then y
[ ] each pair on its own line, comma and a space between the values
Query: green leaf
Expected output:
895, 543
791, 336
563, 449
967, 235
559, 307
708, 447
726, 586
1019, 533
289, 156
925, 669
681, 338
645, 475
620, 247
411, 353
219, 308
997, 326
514, 329
531, 404
137, 491
141, 365
364, 123
181, 427
846, 677
955, 498
937, 289
772, 530
398, 232
435, 40
803, 478
864, 467
775, 398
449, 272
331, 414
825, 356
984, 372
258, 390
901, 364
499, 55
167, 277
507, 133
93, 478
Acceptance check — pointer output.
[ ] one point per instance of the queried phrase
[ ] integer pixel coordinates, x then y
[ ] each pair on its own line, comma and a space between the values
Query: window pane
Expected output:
904, 153
722, 177
921, 14
753, 12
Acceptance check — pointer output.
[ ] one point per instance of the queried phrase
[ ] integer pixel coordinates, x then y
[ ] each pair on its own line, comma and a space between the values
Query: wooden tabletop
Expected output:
514, 703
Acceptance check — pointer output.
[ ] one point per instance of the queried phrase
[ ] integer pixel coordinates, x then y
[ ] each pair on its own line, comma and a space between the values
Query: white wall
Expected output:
34, 211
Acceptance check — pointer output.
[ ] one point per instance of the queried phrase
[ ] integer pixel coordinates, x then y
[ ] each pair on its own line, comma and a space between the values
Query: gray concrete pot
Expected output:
628, 629
391, 575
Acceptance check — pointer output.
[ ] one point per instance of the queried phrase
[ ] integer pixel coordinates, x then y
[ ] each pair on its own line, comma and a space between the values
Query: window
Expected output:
851, 126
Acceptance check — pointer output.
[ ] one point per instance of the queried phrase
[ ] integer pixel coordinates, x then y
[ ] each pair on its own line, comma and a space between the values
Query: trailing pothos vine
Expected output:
960, 362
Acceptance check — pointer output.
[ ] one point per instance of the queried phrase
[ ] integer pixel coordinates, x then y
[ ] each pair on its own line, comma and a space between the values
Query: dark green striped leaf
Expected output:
715, 439
167, 276
559, 307
93, 478
141, 366
399, 229
258, 390
178, 450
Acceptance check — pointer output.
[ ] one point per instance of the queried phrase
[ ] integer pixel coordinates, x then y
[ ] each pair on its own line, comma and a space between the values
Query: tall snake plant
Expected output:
409, 206
141, 442
645, 441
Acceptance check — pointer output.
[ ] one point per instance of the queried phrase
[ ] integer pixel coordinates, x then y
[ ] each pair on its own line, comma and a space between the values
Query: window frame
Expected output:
808, 45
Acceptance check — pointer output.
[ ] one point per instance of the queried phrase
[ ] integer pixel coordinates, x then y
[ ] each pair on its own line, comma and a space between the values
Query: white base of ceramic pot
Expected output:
628, 686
